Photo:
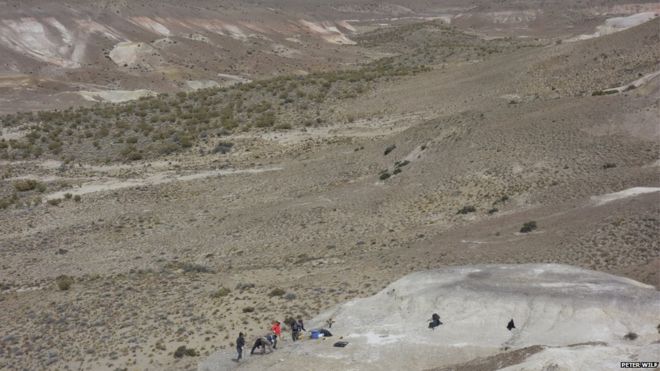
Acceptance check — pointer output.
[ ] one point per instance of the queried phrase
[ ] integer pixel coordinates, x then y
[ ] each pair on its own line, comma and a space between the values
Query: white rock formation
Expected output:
567, 318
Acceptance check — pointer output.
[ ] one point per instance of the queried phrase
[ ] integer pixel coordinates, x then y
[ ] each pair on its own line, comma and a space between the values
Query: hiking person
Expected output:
301, 324
329, 322
262, 343
510, 326
240, 344
272, 339
295, 330
277, 331
435, 321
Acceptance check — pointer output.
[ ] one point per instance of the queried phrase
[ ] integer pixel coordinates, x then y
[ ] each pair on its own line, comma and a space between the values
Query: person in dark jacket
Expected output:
301, 324
295, 330
510, 326
262, 343
435, 321
240, 344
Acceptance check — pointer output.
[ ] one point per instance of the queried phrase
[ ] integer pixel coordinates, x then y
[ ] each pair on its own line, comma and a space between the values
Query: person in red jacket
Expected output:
277, 330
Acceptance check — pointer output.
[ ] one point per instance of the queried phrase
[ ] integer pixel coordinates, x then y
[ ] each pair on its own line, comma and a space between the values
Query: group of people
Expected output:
270, 340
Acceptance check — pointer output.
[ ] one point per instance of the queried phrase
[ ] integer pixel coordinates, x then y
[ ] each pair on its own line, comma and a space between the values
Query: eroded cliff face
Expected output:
51, 51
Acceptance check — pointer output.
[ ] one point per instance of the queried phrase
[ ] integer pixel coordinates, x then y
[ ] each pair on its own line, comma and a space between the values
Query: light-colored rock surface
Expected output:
554, 306
116, 96
616, 24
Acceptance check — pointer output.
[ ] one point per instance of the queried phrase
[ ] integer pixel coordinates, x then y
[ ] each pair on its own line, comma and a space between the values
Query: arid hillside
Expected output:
74, 52
129, 230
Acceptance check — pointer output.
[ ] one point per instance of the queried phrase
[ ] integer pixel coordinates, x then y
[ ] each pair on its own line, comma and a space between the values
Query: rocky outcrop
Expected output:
566, 317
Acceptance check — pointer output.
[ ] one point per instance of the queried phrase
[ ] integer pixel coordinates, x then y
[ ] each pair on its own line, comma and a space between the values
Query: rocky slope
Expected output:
565, 318
130, 230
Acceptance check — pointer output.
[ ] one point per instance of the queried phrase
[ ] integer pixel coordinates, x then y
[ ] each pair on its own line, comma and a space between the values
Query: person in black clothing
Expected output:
510, 326
259, 343
240, 343
435, 321
262, 343
295, 330
301, 325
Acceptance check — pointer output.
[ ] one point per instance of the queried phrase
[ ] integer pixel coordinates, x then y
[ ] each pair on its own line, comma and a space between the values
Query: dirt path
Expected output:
111, 184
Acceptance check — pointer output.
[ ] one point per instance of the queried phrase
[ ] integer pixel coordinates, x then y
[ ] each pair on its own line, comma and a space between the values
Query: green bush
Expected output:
183, 351
528, 227
466, 210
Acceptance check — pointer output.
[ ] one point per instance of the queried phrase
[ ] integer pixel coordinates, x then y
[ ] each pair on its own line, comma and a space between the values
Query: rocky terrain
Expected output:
78, 52
129, 230
565, 318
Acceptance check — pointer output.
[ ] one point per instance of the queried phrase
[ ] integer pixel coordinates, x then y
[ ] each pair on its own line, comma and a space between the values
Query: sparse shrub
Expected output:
528, 227
290, 296
267, 119
248, 309
609, 165
396, 171
221, 293
76, 198
223, 147
183, 351
68, 196
501, 200
389, 149
25, 185
8, 201
54, 201
41, 188
603, 92
630, 336
401, 163
64, 282
466, 210
244, 286
493, 211
384, 175
276, 292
